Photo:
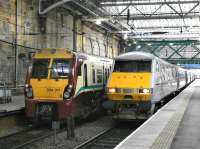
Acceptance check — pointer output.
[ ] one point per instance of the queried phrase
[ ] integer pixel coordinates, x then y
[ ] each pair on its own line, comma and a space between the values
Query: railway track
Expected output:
11, 113
110, 138
24, 137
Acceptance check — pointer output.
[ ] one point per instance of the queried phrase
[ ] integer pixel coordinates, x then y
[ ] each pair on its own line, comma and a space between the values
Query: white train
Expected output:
140, 81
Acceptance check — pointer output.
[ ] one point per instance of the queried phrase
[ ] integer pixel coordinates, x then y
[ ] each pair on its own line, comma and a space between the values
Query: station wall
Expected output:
57, 29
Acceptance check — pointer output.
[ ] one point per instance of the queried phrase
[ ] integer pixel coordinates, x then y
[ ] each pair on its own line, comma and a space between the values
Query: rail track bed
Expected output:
23, 138
111, 137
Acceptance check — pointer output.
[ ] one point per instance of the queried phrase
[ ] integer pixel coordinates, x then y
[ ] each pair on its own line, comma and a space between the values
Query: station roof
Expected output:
175, 24
157, 18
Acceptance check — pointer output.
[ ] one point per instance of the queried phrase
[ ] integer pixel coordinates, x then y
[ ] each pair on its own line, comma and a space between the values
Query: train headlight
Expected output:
146, 91
28, 91
70, 88
29, 94
66, 94
111, 90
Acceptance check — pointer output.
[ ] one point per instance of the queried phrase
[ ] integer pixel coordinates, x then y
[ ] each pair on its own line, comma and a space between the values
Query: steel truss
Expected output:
154, 15
177, 52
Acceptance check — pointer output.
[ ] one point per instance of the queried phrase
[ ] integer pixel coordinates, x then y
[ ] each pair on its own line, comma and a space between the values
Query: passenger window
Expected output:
93, 76
85, 76
106, 76
157, 67
99, 76
79, 70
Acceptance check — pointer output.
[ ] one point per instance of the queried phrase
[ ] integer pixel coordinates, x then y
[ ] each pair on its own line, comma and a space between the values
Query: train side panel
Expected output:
165, 81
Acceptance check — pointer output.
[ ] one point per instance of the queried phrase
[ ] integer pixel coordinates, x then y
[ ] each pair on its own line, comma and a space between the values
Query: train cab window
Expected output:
132, 66
60, 68
40, 68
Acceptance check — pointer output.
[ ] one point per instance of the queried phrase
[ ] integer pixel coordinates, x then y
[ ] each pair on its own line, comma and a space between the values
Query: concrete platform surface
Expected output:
159, 131
18, 103
188, 134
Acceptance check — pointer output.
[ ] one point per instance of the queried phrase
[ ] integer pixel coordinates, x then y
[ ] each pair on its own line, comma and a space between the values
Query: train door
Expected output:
106, 76
85, 76
186, 77
103, 75
178, 78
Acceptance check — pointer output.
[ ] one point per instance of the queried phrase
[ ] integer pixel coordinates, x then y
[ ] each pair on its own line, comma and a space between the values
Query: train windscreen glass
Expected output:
60, 68
40, 68
132, 66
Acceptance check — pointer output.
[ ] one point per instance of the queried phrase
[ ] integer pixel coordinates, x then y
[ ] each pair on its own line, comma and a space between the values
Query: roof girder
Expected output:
133, 2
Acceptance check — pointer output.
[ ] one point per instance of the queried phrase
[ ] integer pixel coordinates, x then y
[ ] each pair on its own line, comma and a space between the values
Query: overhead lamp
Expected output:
129, 44
139, 46
125, 36
98, 22
149, 44
171, 44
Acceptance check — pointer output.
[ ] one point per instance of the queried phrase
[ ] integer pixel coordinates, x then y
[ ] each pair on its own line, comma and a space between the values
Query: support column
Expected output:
15, 45
74, 34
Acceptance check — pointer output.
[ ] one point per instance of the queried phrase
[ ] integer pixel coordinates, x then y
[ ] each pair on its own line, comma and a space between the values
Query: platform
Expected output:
175, 126
18, 103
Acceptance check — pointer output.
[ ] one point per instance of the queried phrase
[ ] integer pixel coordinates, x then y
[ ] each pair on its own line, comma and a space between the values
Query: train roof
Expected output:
50, 52
136, 55
140, 55
93, 57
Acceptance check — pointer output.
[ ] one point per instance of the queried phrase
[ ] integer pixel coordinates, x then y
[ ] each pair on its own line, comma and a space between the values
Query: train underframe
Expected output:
53, 110
131, 110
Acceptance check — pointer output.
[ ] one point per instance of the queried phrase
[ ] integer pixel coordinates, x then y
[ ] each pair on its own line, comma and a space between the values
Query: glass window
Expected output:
93, 76
60, 68
99, 76
40, 68
132, 66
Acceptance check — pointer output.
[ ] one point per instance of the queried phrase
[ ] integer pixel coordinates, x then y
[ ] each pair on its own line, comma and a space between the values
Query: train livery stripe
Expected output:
89, 88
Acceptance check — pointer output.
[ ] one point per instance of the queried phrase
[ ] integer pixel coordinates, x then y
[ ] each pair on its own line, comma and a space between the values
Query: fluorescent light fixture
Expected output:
125, 36
129, 44
98, 22
149, 44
